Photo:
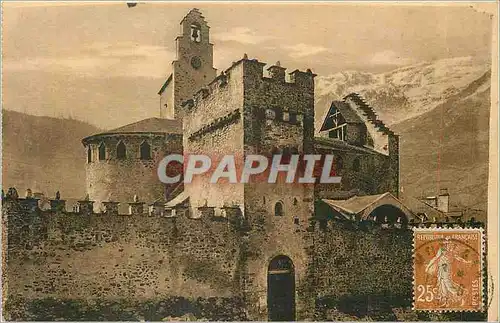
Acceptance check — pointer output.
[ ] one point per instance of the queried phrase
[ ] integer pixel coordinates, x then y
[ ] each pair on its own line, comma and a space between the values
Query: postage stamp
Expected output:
448, 269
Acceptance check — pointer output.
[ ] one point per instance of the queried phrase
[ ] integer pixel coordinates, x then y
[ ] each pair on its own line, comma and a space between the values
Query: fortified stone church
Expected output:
244, 110
261, 251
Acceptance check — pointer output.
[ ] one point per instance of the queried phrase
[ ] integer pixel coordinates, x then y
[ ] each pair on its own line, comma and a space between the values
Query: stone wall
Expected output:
213, 126
364, 273
119, 180
97, 267
75, 256
367, 173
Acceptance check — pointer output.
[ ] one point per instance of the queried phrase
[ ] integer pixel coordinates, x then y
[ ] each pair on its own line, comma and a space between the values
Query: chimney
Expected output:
443, 200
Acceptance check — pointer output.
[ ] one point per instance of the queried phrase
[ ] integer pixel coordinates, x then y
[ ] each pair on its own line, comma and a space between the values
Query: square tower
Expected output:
243, 113
193, 67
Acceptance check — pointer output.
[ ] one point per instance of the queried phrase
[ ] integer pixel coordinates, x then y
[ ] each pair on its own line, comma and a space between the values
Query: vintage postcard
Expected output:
249, 161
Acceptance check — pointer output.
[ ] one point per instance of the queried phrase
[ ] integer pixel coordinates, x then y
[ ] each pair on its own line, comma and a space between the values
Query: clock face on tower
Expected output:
196, 62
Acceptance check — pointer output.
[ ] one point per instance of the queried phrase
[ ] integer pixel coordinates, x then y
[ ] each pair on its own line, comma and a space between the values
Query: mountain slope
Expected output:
405, 92
44, 154
447, 147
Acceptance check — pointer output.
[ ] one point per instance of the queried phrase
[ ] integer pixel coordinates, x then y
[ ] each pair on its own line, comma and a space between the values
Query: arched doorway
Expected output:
281, 289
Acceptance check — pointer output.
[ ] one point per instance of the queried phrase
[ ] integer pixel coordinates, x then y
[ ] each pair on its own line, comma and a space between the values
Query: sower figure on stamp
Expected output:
441, 265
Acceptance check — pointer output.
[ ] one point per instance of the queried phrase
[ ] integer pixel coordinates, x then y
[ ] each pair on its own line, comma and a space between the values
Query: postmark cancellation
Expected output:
448, 269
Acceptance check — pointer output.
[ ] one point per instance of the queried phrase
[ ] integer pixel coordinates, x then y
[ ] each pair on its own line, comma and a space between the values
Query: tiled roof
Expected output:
151, 125
355, 204
358, 205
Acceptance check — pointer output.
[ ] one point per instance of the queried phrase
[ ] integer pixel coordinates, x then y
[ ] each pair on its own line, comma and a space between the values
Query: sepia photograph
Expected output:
249, 161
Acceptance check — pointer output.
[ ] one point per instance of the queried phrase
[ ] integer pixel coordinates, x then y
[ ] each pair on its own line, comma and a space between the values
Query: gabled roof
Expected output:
345, 110
355, 204
194, 13
164, 86
364, 205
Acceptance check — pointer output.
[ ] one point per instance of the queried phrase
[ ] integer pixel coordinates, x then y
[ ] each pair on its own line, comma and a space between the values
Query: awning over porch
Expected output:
360, 207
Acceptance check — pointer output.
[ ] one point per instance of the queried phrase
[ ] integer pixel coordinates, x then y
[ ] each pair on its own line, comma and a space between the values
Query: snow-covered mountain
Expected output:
441, 112
405, 92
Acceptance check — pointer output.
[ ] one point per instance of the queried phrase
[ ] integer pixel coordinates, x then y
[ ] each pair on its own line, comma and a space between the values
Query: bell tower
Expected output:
193, 67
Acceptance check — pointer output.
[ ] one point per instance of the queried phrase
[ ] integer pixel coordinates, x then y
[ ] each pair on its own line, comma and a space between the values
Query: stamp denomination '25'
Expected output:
448, 269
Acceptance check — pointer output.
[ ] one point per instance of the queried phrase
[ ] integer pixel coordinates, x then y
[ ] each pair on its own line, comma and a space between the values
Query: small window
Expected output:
293, 118
145, 151
121, 151
89, 155
195, 33
102, 151
278, 209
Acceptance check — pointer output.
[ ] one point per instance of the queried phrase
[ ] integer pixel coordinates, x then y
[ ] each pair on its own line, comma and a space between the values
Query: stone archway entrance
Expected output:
281, 289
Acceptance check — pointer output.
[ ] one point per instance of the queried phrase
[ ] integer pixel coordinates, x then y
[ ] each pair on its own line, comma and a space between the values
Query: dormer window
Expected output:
195, 33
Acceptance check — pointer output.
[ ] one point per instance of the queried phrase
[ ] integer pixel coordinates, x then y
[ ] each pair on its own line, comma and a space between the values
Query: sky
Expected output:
103, 63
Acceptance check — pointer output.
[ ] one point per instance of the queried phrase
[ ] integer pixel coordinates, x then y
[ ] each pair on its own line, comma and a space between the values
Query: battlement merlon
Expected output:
254, 69
252, 73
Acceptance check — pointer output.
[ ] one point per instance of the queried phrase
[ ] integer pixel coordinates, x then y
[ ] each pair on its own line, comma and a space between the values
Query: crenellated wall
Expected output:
67, 265
91, 256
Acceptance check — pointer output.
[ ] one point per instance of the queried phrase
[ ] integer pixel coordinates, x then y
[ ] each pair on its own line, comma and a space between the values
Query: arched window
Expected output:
89, 154
195, 33
121, 151
356, 165
102, 151
278, 209
145, 151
